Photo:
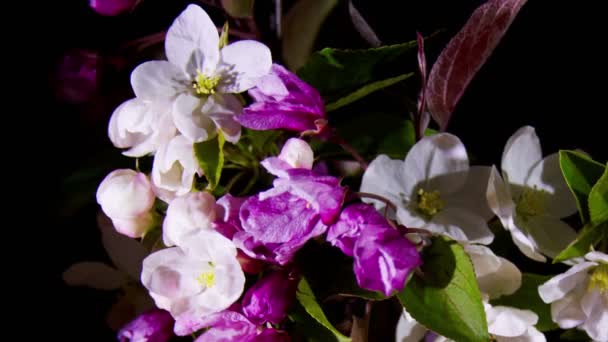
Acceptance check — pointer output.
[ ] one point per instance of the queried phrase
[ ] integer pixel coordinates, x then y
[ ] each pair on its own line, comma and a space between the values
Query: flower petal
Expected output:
438, 162
499, 198
525, 244
192, 42
521, 152
155, 80
597, 257
461, 225
191, 119
223, 113
408, 330
496, 276
595, 306
126, 254
472, 195
567, 312
559, 286
387, 178
509, 322
96, 275
547, 175
550, 235
242, 64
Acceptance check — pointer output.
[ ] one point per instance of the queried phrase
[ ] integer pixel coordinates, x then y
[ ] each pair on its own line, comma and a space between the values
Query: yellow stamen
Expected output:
207, 279
531, 203
204, 85
599, 279
429, 203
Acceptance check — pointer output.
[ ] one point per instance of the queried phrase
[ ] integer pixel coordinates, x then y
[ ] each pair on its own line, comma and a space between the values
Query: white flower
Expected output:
495, 275
579, 297
505, 324
186, 215
296, 153
126, 197
434, 189
174, 168
197, 279
141, 126
198, 76
532, 198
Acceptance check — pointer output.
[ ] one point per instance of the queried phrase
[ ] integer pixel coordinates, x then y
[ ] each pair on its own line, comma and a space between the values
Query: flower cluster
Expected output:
223, 266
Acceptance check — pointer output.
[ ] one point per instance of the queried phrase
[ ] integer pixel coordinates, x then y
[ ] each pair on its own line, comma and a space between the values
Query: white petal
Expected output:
461, 225
242, 65
472, 195
126, 254
387, 178
192, 42
124, 117
174, 167
509, 322
125, 193
595, 306
155, 80
559, 286
597, 257
210, 245
297, 153
409, 218
525, 244
408, 330
531, 335
191, 119
550, 235
567, 312
94, 274
223, 110
496, 276
546, 175
186, 215
438, 162
162, 131
521, 152
499, 198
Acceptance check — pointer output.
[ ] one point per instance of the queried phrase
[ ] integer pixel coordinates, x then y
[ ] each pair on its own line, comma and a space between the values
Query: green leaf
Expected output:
366, 90
335, 72
210, 156
581, 173
301, 26
589, 236
308, 301
527, 298
238, 8
447, 299
598, 200
574, 335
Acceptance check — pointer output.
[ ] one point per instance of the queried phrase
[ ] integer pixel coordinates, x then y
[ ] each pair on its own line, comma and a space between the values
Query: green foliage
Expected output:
306, 298
210, 156
581, 173
446, 299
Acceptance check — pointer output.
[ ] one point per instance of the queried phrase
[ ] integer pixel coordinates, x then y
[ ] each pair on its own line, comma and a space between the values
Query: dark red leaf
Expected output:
465, 54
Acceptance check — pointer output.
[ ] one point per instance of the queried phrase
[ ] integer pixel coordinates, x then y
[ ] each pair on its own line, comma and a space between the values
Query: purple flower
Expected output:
112, 7
282, 100
344, 233
228, 222
272, 335
152, 326
277, 222
269, 299
383, 257
228, 326
77, 76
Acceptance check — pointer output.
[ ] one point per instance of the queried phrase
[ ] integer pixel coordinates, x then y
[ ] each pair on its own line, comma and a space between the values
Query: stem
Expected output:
376, 197
348, 148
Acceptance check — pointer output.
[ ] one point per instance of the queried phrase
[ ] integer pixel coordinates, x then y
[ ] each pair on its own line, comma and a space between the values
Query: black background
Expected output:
548, 72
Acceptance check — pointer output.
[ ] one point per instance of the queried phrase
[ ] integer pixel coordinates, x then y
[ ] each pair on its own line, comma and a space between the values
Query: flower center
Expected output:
531, 203
207, 279
429, 202
204, 85
599, 279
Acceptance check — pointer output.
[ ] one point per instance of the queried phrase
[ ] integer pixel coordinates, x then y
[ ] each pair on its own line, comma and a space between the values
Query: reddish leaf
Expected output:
465, 54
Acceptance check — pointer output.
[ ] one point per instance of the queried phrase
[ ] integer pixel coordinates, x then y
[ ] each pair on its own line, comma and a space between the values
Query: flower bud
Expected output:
269, 299
152, 326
